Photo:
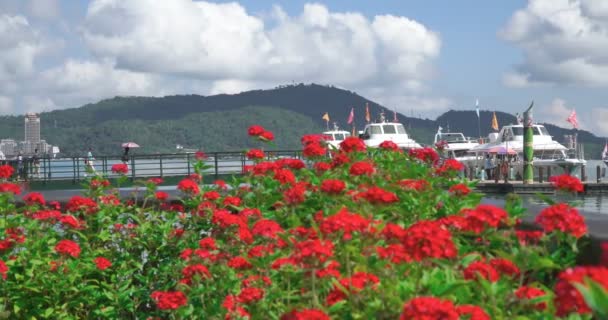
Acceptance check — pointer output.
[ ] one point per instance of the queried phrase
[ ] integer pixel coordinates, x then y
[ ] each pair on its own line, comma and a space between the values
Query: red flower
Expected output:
528, 293
211, 195
249, 295
46, 215
266, 228
313, 251
482, 217
567, 183
505, 267
333, 186
296, 194
377, 195
6, 171
428, 239
102, 263
460, 189
207, 243
313, 150
10, 187
354, 284
239, 263
428, 155
188, 186
267, 136
361, 168
161, 195
155, 181
344, 222
415, 185
351, 144
3, 269
563, 218
389, 145
255, 130
78, 203
322, 166
528, 237
481, 269
68, 247
120, 168
312, 139
69, 221
567, 298
196, 270
34, 198
474, 312
284, 176
199, 155
255, 154
429, 308
450, 165
305, 314
166, 300
232, 201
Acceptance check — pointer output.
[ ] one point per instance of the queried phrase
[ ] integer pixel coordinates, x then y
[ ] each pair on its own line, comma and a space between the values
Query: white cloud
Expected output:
599, 120
563, 41
557, 112
44, 9
19, 47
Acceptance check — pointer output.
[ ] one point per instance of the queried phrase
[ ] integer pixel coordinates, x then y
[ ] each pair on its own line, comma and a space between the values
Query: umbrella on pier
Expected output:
501, 150
130, 145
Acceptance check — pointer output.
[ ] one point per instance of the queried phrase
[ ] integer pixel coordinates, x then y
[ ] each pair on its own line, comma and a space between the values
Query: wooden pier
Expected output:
537, 187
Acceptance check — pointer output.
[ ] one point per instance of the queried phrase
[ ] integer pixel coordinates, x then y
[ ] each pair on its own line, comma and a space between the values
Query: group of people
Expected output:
89, 160
504, 165
23, 165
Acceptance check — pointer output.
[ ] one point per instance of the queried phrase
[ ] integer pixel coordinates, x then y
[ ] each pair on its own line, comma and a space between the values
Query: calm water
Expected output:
590, 204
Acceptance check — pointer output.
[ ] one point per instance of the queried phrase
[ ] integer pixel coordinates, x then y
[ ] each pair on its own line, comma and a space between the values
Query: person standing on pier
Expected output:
36, 163
20, 169
89, 162
489, 166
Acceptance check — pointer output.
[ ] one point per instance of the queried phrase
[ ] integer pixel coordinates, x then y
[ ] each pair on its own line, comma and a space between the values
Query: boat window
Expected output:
339, 136
347, 134
400, 129
518, 131
374, 130
544, 131
461, 153
389, 129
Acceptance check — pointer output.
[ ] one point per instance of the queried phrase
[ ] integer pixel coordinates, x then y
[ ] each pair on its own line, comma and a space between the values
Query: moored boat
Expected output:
376, 133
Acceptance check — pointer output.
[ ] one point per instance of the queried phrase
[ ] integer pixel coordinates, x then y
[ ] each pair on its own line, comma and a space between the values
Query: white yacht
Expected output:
547, 152
335, 136
376, 133
457, 146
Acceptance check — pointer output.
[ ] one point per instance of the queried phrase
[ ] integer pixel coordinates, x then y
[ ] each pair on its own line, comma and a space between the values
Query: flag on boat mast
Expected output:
572, 119
477, 107
368, 117
351, 116
494, 121
326, 117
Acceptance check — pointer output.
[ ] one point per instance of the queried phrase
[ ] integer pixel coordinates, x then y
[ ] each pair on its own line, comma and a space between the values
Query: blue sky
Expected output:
416, 56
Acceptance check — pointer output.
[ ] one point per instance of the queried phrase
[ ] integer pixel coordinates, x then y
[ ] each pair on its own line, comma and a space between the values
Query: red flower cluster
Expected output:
376, 195
567, 298
314, 146
284, 176
567, 183
482, 217
199, 155
449, 166
562, 217
333, 186
481, 269
6, 171
305, 314
161, 195
414, 185
78, 203
361, 168
460, 189
389, 145
255, 154
188, 186
528, 293
3, 269
102, 263
68, 247
352, 144
313, 252
474, 312
296, 194
260, 133
526, 237
429, 308
428, 239
10, 187
120, 168
34, 198
169, 300
344, 221
427, 155
354, 284
198, 270
266, 228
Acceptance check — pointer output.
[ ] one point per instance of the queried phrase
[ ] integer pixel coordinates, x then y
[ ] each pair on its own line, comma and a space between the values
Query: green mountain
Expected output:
219, 123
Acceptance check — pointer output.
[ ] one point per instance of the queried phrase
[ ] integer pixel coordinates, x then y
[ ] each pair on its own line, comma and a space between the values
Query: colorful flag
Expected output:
494, 122
477, 107
572, 119
605, 152
326, 117
368, 118
351, 116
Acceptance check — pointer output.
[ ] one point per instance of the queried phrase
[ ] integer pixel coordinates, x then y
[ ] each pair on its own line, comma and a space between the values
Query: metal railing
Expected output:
139, 166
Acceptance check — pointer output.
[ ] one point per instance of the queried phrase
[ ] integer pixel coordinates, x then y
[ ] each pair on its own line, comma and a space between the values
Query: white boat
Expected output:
376, 133
605, 154
457, 146
335, 136
547, 152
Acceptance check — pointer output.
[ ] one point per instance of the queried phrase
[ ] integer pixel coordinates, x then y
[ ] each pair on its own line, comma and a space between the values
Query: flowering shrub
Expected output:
365, 234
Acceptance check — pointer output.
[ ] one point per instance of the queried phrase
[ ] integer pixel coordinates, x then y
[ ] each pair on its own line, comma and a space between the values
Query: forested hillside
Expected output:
218, 123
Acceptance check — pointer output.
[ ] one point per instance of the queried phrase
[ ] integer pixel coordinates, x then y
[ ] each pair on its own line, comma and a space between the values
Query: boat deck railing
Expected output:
140, 166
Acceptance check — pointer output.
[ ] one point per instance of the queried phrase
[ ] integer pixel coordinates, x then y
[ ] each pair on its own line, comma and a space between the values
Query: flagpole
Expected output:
479, 127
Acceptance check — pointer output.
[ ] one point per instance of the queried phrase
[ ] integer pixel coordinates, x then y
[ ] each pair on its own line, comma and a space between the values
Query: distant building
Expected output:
9, 147
32, 133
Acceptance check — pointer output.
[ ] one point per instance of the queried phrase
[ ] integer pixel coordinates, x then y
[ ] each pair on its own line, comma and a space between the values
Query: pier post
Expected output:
598, 178
471, 173
548, 173
583, 174
496, 174
528, 146
540, 174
